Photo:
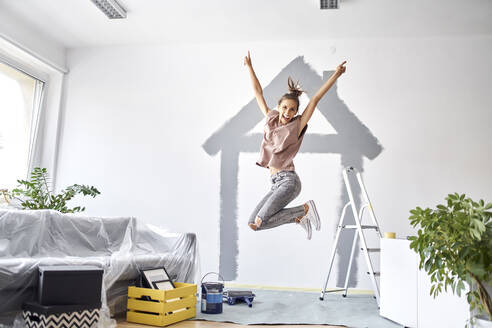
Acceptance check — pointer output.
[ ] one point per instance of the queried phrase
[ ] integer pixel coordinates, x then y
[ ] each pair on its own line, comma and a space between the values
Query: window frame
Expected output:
43, 151
39, 101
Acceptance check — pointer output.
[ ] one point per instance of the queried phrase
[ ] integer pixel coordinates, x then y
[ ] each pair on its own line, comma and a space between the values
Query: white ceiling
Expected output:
78, 23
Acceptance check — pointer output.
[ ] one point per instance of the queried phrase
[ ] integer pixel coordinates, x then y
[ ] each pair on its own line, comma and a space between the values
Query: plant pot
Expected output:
481, 319
482, 322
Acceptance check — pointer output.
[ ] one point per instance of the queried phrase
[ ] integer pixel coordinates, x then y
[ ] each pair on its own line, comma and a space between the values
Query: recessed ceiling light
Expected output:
110, 8
328, 4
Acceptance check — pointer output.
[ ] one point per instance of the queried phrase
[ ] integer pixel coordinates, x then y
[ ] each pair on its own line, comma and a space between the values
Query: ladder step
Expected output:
371, 249
376, 273
353, 226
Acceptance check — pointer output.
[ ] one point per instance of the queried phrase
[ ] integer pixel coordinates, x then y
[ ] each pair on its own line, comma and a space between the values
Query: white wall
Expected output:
136, 118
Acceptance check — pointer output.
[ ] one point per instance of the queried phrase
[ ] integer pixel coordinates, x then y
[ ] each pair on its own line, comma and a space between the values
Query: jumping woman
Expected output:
284, 131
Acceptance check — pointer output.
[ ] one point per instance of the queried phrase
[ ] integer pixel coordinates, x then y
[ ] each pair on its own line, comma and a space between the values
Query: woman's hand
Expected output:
256, 86
340, 68
247, 60
313, 102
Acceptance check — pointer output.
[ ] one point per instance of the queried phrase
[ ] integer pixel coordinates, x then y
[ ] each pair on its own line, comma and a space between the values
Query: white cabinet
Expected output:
399, 284
446, 310
405, 290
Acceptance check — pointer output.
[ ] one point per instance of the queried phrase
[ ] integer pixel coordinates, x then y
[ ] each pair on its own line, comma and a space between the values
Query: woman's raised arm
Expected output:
256, 86
308, 112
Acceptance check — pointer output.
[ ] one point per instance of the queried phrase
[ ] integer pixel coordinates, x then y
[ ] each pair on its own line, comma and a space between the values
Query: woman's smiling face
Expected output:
287, 110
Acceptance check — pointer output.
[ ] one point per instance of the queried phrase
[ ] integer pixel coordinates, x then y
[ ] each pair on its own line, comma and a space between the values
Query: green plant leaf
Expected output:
432, 290
479, 224
442, 207
460, 287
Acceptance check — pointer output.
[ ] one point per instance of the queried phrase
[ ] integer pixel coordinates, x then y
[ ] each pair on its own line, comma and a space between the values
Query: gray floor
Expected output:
284, 307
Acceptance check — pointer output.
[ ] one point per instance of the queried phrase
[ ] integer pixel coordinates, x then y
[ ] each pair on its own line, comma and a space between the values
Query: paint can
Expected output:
212, 295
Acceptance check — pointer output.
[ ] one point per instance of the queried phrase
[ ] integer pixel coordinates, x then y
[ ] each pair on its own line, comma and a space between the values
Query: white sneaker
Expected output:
305, 223
313, 216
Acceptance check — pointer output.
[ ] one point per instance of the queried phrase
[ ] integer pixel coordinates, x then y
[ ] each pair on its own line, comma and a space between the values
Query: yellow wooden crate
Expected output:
170, 306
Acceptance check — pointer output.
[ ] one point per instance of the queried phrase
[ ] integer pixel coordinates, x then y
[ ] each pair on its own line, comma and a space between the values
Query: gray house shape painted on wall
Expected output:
353, 141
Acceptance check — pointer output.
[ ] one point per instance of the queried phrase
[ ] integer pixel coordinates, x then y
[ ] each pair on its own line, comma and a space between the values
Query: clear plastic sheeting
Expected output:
121, 246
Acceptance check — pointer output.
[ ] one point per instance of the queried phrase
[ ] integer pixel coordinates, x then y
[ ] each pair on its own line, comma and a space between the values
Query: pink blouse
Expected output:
280, 142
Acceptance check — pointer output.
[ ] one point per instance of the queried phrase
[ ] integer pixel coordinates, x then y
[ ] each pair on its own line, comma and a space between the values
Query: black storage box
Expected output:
69, 285
56, 316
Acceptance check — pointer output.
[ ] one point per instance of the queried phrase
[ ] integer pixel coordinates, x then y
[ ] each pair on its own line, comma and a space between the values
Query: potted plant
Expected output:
454, 242
36, 193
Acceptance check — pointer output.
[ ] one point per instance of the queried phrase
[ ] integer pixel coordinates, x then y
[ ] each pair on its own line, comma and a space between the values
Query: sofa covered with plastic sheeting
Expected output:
121, 246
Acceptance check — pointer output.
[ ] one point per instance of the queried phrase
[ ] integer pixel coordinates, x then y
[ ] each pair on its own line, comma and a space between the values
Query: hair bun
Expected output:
294, 87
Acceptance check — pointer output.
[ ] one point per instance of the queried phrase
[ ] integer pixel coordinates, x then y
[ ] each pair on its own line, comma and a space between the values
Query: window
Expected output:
21, 96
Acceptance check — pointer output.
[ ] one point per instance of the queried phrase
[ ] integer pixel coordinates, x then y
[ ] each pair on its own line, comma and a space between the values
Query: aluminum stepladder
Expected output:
358, 234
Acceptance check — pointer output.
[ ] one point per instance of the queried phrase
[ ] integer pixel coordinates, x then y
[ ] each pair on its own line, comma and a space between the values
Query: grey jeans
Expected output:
286, 185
